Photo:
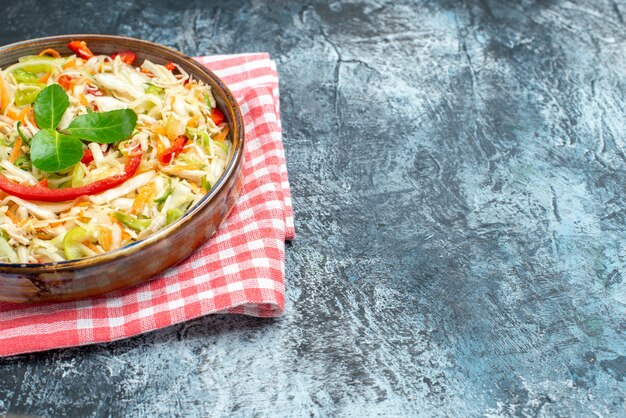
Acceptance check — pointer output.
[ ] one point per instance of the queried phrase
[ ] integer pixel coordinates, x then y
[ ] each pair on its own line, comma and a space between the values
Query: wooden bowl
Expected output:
138, 261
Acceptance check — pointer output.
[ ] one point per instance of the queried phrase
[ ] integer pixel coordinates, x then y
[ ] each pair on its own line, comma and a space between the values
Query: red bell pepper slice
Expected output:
87, 157
126, 56
171, 152
217, 116
80, 48
44, 194
170, 66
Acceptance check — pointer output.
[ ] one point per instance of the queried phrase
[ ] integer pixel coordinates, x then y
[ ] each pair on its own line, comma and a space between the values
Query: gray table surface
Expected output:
458, 171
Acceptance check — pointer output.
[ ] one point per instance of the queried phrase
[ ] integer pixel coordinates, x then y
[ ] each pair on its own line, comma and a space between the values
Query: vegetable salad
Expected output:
97, 152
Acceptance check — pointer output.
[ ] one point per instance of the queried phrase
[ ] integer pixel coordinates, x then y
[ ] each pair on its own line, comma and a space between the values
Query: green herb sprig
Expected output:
54, 150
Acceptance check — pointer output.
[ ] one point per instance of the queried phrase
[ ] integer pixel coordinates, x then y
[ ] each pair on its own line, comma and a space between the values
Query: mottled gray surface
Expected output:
459, 174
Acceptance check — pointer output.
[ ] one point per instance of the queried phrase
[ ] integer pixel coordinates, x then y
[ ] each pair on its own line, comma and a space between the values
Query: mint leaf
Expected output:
53, 151
104, 127
50, 105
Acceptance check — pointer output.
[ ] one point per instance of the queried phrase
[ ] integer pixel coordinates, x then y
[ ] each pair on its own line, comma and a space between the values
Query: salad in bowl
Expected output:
99, 151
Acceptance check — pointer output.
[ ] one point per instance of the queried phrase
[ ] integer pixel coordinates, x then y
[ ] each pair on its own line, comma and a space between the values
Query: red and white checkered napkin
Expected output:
240, 270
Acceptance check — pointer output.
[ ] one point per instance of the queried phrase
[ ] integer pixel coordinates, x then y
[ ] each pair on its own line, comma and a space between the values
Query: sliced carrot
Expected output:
125, 235
159, 129
92, 247
70, 64
12, 114
83, 100
44, 78
50, 51
160, 146
17, 149
19, 116
104, 238
43, 233
222, 135
193, 122
143, 196
179, 168
12, 217
24, 114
